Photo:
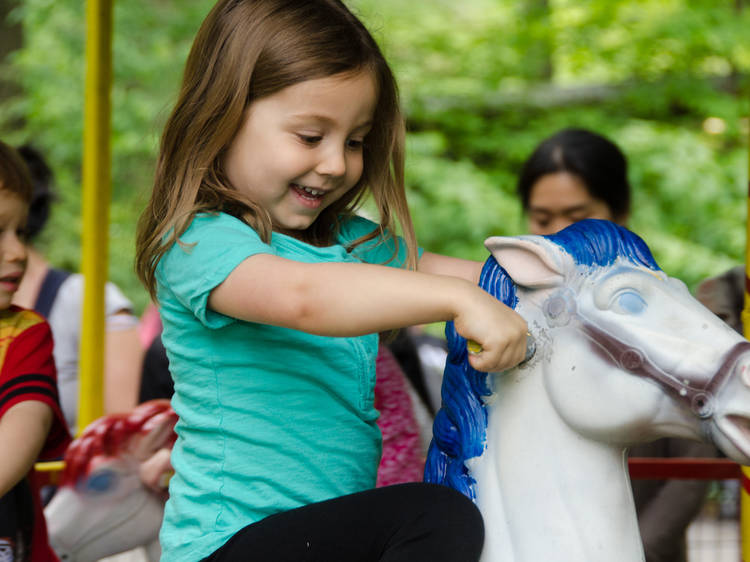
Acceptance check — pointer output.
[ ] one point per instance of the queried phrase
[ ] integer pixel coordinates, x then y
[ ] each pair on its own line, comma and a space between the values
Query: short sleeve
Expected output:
70, 296
28, 373
209, 250
384, 249
115, 300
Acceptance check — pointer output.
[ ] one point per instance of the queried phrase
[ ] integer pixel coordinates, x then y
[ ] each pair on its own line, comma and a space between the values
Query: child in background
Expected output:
31, 422
272, 293
57, 295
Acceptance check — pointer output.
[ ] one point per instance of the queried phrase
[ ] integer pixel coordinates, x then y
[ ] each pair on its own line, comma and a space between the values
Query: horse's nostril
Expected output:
745, 375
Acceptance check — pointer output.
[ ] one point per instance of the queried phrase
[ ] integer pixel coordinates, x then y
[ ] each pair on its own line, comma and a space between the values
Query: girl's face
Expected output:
558, 200
13, 212
300, 149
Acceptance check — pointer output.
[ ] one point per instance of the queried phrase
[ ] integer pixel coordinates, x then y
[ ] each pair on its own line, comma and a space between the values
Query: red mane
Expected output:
110, 435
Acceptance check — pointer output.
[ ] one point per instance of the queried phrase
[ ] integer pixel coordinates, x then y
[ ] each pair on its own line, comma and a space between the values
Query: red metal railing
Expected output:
683, 468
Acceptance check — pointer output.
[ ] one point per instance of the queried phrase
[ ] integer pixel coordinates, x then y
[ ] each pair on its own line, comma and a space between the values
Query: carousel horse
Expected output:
102, 507
624, 355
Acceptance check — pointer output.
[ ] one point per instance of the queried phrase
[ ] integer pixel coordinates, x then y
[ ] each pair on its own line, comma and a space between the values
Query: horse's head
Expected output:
626, 353
654, 360
102, 507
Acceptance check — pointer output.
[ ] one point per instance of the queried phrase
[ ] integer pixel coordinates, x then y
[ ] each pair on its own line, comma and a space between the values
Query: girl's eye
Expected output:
310, 139
355, 144
629, 302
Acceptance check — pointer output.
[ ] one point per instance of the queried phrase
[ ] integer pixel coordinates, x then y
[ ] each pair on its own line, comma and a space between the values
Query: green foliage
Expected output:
653, 76
483, 81
151, 41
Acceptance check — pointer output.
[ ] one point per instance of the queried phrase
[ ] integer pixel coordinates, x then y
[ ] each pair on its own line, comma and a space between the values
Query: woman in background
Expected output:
577, 174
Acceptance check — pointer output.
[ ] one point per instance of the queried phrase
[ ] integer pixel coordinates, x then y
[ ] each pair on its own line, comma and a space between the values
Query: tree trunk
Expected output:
11, 39
536, 20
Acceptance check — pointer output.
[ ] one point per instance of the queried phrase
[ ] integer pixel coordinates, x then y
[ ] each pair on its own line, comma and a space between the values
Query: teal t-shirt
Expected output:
269, 418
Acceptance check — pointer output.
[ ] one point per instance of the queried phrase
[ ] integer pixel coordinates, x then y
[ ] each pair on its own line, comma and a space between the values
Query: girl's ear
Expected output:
529, 261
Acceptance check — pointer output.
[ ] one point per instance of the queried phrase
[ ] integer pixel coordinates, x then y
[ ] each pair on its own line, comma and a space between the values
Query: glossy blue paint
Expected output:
597, 242
460, 424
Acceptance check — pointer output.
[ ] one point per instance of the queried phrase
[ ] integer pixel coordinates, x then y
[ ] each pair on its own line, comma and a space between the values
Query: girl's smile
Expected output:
9, 283
311, 197
300, 149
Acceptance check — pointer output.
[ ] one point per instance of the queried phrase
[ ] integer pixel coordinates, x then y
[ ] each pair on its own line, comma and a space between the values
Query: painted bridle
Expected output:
699, 395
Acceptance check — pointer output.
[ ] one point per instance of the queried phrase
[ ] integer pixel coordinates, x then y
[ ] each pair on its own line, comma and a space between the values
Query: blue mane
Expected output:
599, 243
459, 430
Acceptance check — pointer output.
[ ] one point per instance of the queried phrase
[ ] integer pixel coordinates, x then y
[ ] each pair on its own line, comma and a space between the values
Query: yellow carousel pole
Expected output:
96, 194
96, 198
745, 481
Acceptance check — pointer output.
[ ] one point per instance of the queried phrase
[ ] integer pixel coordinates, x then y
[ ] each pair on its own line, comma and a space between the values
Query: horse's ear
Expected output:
527, 262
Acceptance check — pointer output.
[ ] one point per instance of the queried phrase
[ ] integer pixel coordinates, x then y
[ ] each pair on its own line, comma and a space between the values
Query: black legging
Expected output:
404, 523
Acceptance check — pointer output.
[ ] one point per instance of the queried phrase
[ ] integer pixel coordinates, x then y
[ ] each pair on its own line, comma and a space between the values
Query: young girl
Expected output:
31, 422
272, 292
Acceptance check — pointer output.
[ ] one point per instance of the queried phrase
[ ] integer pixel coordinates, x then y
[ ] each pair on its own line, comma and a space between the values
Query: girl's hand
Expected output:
156, 471
496, 330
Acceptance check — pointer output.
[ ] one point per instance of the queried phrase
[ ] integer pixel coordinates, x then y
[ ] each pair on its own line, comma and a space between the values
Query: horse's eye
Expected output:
99, 481
629, 302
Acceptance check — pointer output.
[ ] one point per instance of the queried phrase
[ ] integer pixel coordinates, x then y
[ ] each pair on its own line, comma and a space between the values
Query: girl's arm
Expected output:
345, 299
122, 368
23, 431
438, 264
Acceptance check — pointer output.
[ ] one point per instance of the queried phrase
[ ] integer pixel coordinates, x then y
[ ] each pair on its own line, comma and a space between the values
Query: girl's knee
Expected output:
457, 507
450, 512
455, 523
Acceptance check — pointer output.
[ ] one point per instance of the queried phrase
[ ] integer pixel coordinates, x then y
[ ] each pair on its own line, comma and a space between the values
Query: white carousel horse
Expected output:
624, 355
102, 507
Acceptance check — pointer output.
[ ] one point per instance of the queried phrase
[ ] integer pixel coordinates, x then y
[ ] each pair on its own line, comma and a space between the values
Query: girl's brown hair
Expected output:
246, 50
14, 174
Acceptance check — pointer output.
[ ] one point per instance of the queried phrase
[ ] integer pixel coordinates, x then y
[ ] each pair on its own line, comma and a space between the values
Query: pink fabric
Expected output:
149, 326
402, 457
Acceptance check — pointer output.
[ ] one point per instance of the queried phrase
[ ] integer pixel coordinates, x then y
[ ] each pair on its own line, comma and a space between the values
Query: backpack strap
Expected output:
48, 291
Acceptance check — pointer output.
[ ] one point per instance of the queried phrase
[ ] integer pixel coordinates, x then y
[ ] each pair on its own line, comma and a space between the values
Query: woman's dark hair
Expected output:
14, 174
42, 193
596, 160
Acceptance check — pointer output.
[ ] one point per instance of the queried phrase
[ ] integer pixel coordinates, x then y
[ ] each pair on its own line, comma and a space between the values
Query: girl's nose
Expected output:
333, 162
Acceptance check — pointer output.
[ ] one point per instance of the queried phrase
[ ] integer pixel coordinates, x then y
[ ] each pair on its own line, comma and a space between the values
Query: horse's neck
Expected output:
153, 550
546, 492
